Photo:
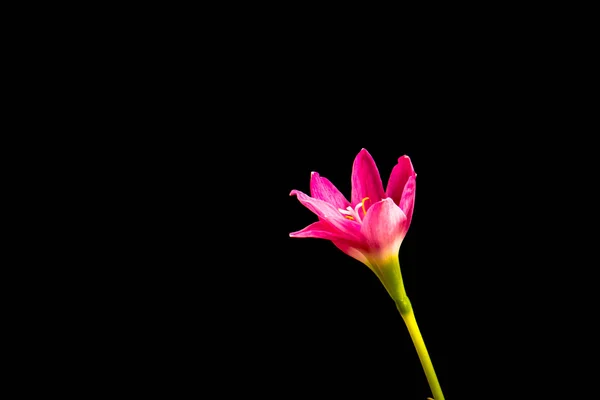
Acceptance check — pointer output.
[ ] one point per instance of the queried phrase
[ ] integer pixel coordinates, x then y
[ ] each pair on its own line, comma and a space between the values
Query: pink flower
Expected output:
370, 227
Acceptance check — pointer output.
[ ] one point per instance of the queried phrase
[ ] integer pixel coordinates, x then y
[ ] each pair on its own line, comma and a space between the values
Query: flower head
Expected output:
370, 227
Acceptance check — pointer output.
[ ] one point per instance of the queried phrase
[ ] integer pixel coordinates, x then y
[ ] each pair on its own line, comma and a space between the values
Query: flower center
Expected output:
353, 214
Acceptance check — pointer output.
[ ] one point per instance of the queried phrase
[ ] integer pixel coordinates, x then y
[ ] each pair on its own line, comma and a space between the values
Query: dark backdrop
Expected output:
218, 295
179, 135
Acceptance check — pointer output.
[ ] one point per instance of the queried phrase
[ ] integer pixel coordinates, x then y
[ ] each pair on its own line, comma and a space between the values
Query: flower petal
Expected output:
319, 230
347, 228
366, 181
384, 227
399, 177
407, 201
354, 252
322, 189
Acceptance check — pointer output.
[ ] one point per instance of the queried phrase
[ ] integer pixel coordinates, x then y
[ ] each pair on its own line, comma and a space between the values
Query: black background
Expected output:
170, 140
210, 291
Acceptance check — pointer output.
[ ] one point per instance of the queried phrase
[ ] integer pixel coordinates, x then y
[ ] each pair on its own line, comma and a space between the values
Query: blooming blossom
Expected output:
370, 227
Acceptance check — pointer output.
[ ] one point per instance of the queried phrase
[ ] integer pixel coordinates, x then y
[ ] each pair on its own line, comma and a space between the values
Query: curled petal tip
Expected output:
293, 192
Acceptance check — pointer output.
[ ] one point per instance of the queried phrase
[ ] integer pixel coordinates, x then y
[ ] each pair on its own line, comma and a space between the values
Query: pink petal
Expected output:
327, 212
384, 227
407, 201
351, 250
398, 178
366, 181
322, 189
319, 230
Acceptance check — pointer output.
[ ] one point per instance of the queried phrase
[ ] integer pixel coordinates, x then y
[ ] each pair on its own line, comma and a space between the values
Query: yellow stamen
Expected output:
363, 203
349, 217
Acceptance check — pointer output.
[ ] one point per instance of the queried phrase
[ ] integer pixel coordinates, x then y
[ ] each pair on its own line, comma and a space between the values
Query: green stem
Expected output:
408, 315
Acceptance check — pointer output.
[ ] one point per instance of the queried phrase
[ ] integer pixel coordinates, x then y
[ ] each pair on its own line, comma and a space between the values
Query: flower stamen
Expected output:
351, 214
363, 204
